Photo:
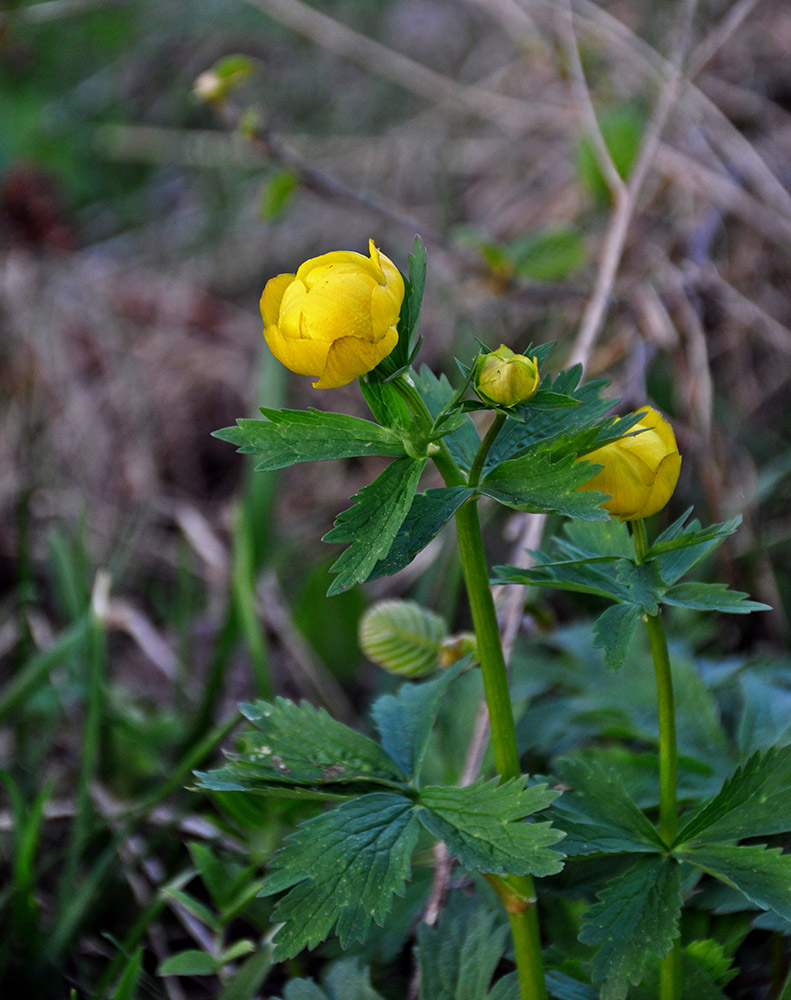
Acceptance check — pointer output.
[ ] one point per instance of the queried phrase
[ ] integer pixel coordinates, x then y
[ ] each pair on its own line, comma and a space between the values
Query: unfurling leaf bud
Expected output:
503, 378
403, 637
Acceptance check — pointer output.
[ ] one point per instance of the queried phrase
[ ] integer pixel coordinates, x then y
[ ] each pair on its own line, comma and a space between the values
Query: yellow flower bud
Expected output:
504, 378
640, 472
335, 318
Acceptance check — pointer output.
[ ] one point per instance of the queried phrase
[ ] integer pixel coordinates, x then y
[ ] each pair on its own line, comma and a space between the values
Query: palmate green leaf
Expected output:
458, 958
761, 874
373, 522
405, 719
298, 745
613, 631
680, 547
346, 979
429, 513
646, 587
599, 816
754, 802
386, 404
589, 575
635, 916
286, 437
711, 597
482, 825
596, 538
539, 483
342, 869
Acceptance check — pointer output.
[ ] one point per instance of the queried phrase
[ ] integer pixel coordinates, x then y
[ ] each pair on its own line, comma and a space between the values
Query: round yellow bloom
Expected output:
641, 471
505, 378
335, 318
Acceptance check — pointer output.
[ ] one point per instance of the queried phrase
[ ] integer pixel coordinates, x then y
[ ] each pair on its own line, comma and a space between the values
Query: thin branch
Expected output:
719, 36
584, 103
507, 112
625, 205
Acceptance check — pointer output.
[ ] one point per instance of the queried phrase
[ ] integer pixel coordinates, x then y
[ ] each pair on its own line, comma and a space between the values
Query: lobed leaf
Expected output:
458, 958
635, 916
342, 869
482, 825
405, 719
429, 513
711, 597
598, 814
760, 873
540, 483
373, 522
287, 437
754, 802
613, 631
298, 745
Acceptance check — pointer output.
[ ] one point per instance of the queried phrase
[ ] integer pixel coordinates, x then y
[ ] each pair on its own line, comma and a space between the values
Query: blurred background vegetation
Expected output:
148, 581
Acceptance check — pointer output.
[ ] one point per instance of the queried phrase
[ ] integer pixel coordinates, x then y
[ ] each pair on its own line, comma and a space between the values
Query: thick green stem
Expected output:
670, 970
517, 893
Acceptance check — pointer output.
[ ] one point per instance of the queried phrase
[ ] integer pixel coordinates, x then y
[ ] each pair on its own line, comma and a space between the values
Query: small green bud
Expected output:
504, 378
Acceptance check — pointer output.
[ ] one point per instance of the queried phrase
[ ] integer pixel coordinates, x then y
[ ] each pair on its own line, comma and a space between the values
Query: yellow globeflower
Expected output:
641, 471
505, 378
335, 318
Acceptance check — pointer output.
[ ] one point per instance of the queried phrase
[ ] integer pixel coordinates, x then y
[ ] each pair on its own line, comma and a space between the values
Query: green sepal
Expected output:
371, 525
287, 437
636, 916
482, 825
342, 869
386, 404
403, 354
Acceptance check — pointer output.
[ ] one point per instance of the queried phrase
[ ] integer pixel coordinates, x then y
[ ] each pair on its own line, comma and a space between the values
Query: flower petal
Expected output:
350, 357
305, 357
272, 296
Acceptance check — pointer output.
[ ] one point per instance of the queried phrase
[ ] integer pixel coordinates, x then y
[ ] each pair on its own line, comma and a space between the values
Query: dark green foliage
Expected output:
458, 958
371, 525
405, 720
636, 916
601, 561
342, 868
481, 825
302, 747
286, 437
429, 513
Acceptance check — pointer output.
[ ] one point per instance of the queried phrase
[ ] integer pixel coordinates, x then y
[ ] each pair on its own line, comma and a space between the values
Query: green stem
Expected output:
670, 970
477, 466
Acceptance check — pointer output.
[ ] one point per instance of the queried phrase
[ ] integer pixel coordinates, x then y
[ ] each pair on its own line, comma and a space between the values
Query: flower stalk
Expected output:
517, 893
670, 969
